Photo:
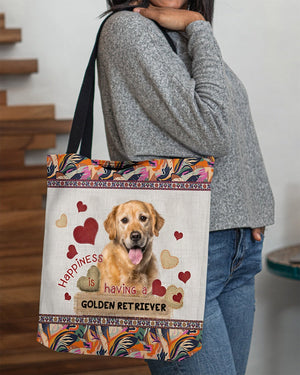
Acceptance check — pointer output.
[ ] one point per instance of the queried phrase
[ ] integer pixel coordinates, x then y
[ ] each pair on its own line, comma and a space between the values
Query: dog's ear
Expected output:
157, 221
110, 224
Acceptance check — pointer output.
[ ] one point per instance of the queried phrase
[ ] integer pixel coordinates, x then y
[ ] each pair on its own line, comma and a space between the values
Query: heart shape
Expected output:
67, 297
184, 276
158, 289
87, 232
174, 297
81, 207
90, 283
178, 235
177, 297
72, 252
62, 221
167, 260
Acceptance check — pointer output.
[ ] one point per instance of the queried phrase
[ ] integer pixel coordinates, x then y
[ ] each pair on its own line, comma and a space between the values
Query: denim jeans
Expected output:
234, 258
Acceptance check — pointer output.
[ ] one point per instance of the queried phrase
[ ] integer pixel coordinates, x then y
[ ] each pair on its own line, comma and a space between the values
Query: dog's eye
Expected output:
124, 220
143, 218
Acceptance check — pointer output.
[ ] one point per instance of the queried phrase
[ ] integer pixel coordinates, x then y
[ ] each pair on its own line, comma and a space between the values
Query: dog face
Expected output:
132, 225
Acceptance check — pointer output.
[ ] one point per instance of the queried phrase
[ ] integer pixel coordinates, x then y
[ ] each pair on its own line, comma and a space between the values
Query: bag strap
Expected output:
82, 125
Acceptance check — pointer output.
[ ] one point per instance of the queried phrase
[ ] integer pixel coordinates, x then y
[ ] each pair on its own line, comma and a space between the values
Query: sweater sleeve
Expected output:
190, 109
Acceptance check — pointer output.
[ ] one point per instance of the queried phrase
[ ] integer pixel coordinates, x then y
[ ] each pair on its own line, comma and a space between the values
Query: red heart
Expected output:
72, 252
67, 297
184, 276
87, 233
177, 297
158, 289
178, 235
81, 207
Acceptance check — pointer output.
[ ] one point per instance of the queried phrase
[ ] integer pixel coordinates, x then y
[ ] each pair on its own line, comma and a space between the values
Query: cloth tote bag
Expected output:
125, 249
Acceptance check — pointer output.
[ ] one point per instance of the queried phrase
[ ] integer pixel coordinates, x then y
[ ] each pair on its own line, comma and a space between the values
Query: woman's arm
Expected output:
190, 109
170, 18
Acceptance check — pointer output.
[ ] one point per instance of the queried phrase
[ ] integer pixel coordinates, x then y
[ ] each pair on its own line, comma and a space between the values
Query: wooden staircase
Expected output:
8, 36
11, 36
22, 198
18, 67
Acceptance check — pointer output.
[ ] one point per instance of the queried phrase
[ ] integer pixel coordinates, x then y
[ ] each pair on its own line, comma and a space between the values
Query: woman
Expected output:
158, 104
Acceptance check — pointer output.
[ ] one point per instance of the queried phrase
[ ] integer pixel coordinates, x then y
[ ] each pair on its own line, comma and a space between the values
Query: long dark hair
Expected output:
205, 7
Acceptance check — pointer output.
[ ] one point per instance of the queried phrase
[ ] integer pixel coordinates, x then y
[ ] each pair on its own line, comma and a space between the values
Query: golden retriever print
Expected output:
128, 265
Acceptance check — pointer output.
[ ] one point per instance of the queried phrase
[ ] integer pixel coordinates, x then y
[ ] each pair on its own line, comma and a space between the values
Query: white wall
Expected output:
260, 41
60, 33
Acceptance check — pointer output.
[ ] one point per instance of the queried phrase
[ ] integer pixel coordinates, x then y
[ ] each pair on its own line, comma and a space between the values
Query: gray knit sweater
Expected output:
158, 104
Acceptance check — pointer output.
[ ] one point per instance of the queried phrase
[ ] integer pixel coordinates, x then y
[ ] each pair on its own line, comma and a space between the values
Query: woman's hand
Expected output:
170, 18
256, 233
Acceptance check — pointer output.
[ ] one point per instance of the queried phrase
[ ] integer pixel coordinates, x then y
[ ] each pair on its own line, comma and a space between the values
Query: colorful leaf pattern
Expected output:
134, 342
76, 167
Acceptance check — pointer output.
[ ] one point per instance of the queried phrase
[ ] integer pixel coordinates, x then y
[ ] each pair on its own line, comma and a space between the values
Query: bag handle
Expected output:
82, 125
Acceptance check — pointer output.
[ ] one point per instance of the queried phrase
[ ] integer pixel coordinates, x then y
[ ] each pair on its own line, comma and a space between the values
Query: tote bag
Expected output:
125, 249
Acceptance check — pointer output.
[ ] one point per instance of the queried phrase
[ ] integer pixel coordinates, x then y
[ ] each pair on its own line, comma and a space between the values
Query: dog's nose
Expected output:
135, 236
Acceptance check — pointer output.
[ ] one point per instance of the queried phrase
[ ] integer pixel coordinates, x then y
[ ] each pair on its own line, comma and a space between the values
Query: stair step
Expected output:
41, 360
2, 21
27, 221
29, 112
21, 249
35, 126
18, 241
3, 98
21, 326
25, 310
33, 362
8, 67
37, 361
11, 280
21, 195
22, 188
14, 160
10, 143
15, 146
13, 343
24, 173
21, 265
25, 294
32, 264
8, 36
19, 203
9, 317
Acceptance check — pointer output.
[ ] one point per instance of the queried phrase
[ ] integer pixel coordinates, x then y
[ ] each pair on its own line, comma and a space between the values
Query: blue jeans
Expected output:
234, 258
